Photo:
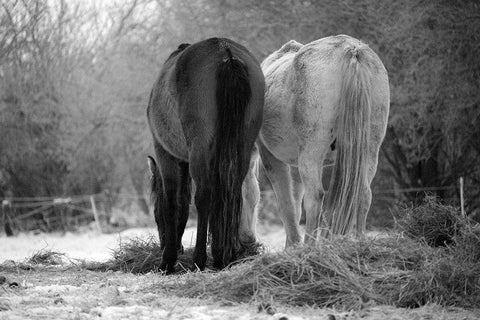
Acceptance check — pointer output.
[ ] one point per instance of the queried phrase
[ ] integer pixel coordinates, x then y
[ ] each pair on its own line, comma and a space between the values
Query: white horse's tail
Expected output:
349, 175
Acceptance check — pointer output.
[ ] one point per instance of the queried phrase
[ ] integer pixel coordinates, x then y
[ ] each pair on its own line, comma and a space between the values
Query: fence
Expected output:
58, 213
388, 202
46, 213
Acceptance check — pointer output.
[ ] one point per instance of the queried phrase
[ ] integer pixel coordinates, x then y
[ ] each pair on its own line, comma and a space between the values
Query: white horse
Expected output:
331, 94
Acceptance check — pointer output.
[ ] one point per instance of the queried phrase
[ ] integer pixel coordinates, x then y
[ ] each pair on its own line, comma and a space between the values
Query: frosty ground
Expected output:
69, 292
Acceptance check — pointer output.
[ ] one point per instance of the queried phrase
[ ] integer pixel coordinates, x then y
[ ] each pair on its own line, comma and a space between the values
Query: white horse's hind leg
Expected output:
251, 199
366, 192
279, 175
298, 191
310, 168
365, 202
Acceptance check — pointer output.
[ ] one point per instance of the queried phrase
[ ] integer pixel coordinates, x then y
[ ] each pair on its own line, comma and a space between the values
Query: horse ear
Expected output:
152, 165
291, 46
183, 46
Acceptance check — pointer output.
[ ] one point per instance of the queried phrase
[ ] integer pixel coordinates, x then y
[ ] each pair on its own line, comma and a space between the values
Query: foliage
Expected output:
75, 79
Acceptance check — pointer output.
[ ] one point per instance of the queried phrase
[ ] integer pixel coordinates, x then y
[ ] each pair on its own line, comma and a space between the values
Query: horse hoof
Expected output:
168, 269
218, 266
199, 261
249, 250
180, 250
195, 267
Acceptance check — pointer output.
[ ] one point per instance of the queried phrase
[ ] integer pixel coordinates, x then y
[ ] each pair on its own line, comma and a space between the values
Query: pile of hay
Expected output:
145, 255
435, 260
344, 274
141, 256
432, 222
46, 257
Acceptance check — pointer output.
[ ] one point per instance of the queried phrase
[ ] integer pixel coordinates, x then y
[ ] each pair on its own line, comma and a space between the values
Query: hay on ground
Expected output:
347, 273
47, 257
343, 273
433, 222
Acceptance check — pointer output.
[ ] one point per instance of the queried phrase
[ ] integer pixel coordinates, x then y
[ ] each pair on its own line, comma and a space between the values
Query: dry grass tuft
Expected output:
432, 222
137, 256
46, 257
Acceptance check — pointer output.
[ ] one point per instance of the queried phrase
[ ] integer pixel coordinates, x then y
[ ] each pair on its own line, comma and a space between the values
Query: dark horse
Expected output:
205, 112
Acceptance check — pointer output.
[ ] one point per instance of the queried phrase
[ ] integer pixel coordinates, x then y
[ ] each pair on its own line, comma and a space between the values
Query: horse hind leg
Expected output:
158, 198
251, 199
310, 168
203, 197
170, 175
298, 191
279, 175
366, 191
184, 198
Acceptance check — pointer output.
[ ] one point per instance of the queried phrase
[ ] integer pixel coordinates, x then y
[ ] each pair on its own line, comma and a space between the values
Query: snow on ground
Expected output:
82, 294
94, 246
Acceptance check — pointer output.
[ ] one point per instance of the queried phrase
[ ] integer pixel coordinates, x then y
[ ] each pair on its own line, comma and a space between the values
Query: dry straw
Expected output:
432, 222
406, 269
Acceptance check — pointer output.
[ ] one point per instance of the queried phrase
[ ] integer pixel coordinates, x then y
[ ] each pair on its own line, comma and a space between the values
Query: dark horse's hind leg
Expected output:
203, 198
170, 172
158, 198
184, 199
160, 206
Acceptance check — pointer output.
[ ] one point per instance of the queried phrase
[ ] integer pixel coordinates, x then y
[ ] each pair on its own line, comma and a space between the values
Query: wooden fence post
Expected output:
95, 214
6, 218
108, 204
462, 203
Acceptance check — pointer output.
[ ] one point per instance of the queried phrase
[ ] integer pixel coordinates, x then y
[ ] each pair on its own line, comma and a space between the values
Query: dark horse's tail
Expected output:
233, 95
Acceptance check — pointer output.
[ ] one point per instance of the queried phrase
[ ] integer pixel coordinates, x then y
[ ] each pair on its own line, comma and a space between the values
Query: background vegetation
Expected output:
75, 79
